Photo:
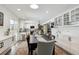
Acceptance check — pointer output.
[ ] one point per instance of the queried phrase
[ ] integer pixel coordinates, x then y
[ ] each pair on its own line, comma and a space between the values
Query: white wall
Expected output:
7, 17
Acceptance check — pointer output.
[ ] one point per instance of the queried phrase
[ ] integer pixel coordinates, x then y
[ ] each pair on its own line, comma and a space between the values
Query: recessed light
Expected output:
18, 9
47, 12
34, 6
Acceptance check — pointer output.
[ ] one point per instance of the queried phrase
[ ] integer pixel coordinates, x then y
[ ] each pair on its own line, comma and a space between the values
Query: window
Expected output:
1, 18
12, 23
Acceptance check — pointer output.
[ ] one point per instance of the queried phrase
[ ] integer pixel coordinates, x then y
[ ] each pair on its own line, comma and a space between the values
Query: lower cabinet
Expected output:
45, 48
60, 51
5, 45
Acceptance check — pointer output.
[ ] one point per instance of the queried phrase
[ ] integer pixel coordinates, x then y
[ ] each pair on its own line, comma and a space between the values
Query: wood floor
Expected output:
21, 48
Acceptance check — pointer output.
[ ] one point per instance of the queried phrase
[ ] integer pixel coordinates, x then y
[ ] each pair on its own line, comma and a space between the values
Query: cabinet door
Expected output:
75, 15
56, 22
64, 40
60, 21
66, 19
75, 45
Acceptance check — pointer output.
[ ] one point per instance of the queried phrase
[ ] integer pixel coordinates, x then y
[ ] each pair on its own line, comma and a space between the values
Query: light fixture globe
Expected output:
18, 9
34, 6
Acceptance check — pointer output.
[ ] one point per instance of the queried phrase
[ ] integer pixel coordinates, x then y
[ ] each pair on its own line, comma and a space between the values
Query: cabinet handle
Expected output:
69, 38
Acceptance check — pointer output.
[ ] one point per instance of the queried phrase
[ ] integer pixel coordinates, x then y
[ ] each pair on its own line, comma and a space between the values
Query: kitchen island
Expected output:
44, 47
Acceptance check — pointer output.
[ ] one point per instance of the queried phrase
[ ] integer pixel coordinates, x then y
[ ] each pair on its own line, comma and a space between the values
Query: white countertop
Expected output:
5, 37
40, 39
4, 50
23, 33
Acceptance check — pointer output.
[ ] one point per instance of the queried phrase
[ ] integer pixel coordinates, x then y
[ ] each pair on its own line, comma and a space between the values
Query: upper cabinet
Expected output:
75, 15
72, 16
69, 18
66, 18
58, 21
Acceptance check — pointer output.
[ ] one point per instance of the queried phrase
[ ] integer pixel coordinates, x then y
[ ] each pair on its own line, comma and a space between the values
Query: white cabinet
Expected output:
67, 30
63, 41
66, 19
58, 21
75, 15
68, 39
8, 42
75, 45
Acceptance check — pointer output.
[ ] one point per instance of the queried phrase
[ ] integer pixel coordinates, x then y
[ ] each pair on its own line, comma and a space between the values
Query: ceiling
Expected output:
39, 14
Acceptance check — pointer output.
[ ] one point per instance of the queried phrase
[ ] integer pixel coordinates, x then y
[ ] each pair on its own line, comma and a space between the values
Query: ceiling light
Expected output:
18, 9
47, 12
34, 6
